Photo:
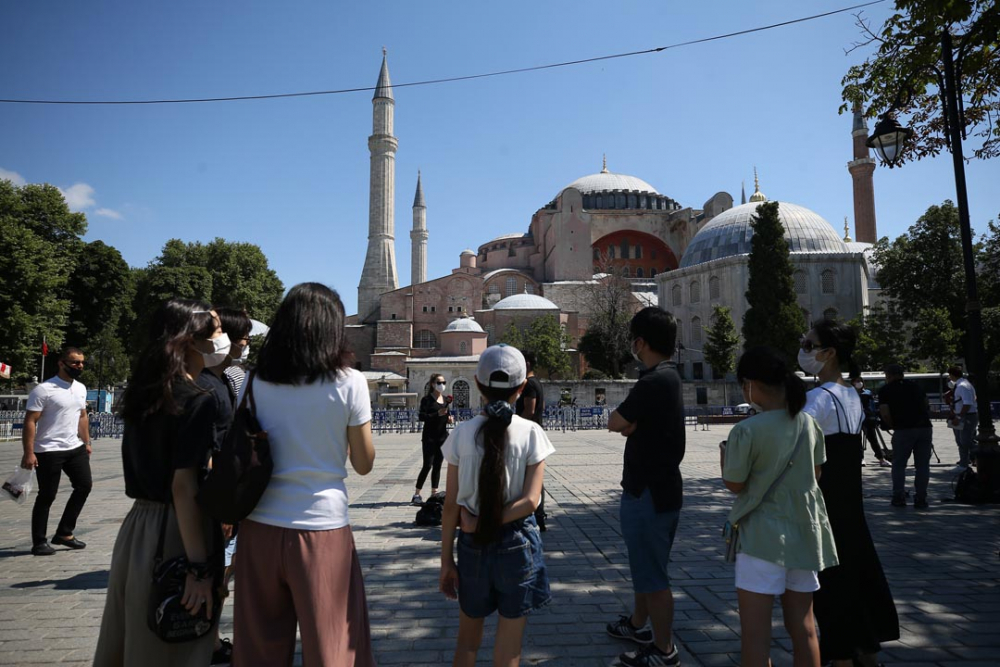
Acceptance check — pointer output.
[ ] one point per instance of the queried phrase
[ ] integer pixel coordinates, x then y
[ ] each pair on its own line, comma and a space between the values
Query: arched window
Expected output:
830, 314
624, 272
624, 248
828, 282
800, 282
696, 292
652, 273
639, 273
511, 286
460, 389
529, 288
638, 251
494, 288
425, 340
611, 252
675, 295
714, 288
463, 347
696, 331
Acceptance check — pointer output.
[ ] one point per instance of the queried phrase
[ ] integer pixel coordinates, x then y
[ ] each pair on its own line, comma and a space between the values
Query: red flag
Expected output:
45, 349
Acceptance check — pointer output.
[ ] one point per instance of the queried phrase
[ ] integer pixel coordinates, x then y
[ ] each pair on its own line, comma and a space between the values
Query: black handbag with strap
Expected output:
241, 468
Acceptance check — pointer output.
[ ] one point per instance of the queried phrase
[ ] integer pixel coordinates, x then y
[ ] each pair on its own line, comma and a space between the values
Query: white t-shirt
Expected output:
527, 445
965, 394
821, 406
307, 428
60, 403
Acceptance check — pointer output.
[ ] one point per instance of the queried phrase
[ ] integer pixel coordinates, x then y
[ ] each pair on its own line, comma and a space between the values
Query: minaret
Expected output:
418, 237
862, 167
379, 273
743, 192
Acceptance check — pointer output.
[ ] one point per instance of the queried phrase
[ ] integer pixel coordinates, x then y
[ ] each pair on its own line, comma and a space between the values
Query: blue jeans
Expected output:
649, 537
966, 438
916, 441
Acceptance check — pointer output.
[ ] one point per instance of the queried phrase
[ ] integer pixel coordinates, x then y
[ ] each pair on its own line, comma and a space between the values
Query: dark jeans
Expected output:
874, 437
51, 465
965, 437
433, 458
916, 441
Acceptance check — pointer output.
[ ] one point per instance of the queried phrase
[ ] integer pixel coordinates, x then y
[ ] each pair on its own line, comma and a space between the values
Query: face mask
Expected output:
859, 386
755, 406
809, 363
951, 384
73, 371
220, 351
440, 387
635, 355
244, 356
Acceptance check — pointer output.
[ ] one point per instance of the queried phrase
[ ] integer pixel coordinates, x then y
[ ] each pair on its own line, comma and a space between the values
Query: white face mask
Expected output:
755, 406
244, 356
809, 363
220, 351
440, 387
635, 355
951, 384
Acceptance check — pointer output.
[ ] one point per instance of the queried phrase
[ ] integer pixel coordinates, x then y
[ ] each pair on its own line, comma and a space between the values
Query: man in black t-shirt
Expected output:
904, 408
531, 405
652, 418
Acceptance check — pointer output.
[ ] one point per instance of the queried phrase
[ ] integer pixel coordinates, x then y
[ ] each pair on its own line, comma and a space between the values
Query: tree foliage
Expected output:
881, 339
773, 317
934, 338
607, 343
721, 342
546, 338
906, 72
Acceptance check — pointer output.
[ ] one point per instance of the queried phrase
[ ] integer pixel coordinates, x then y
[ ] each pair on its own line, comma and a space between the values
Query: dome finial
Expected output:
385, 52
757, 195
847, 231
604, 167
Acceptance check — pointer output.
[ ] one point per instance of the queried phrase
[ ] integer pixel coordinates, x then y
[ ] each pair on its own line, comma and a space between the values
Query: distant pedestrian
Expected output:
854, 606
496, 465
56, 439
237, 325
772, 462
870, 427
297, 564
170, 426
905, 410
652, 418
434, 414
964, 416
531, 406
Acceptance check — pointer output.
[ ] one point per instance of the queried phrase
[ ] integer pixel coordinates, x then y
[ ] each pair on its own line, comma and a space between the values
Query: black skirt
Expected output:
854, 607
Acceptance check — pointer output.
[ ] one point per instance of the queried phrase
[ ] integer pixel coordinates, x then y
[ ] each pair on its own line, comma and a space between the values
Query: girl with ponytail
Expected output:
772, 462
496, 463
854, 606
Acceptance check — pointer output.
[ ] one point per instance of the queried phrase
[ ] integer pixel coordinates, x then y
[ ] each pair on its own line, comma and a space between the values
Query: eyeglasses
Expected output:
809, 346
73, 363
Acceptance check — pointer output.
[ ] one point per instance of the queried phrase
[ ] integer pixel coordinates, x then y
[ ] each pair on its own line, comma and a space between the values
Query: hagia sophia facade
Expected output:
686, 260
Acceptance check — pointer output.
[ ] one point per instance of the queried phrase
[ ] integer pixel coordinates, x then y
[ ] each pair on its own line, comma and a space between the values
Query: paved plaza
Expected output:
942, 565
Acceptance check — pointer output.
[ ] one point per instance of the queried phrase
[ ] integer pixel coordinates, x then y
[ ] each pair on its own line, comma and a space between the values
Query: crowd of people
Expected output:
797, 524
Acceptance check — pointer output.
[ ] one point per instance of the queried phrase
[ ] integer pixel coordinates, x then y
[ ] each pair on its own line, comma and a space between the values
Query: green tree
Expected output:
721, 344
774, 317
607, 342
935, 340
546, 338
513, 335
879, 338
37, 234
905, 72
156, 284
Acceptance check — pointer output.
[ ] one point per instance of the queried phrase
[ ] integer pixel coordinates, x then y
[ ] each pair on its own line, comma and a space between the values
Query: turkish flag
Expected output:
45, 349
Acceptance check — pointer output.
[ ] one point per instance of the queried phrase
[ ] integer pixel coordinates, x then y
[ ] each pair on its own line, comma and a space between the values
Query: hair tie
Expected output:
500, 410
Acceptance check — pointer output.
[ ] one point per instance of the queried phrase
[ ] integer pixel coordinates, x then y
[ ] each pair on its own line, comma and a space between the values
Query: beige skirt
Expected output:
125, 638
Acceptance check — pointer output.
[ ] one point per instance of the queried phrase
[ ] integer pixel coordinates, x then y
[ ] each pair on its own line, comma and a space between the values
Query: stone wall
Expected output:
712, 392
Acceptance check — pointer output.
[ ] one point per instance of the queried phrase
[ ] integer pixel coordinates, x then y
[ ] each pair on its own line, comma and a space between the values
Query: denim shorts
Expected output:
506, 576
649, 537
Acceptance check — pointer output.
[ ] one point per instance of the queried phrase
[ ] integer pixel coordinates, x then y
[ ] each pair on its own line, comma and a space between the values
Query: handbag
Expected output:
166, 616
731, 531
241, 468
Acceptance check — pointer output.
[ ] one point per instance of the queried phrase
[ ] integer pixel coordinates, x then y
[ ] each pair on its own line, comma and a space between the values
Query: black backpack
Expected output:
968, 488
241, 468
430, 512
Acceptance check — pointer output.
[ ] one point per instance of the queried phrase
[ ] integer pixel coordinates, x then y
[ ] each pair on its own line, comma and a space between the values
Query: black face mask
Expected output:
73, 371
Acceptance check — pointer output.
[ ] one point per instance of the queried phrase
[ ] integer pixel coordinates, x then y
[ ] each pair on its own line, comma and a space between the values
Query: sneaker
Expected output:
883, 463
416, 499
920, 503
864, 464
224, 654
651, 656
623, 629
898, 500
42, 549
959, 467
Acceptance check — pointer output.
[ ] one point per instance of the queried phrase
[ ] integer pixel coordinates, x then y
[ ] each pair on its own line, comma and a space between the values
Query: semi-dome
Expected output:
729, 233
464, 324
525, 302
609, 181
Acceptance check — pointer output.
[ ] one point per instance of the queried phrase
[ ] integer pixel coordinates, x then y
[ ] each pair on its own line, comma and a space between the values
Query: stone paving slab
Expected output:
942, 565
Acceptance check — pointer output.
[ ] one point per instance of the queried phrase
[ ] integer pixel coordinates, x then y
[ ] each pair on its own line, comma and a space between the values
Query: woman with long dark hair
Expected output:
168, 439
296, 548
854, 606
771, 462
434, 415
496, 465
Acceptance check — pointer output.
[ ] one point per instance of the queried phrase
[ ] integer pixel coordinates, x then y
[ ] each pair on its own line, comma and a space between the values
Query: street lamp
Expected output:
888, 139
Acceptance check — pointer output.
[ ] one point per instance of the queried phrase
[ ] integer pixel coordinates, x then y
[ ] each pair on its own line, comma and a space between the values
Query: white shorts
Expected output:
760, 576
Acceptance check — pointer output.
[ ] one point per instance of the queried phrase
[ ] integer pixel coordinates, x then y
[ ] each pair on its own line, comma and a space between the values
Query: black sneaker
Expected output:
416, 500
42, 549
920, 503
70, 542
898, 500
623, 629
224, 654
651, 656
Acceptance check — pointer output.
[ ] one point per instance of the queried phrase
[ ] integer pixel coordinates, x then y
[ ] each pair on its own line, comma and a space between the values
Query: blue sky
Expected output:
292, 175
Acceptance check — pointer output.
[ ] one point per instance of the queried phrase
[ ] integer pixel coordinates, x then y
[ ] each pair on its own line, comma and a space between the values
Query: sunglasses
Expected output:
809, 346
74, 363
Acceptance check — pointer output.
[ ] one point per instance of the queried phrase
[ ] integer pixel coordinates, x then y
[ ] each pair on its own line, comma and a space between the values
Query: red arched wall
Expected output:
656, 255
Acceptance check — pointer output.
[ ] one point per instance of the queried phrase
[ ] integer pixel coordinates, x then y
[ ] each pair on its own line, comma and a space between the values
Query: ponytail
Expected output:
493, 469
795, 393
770, 367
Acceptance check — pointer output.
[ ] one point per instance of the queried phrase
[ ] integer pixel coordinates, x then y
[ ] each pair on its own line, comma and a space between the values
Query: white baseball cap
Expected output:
504, 359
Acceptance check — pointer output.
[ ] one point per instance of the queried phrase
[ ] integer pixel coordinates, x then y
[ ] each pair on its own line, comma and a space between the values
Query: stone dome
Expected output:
729, 233
464, 324
609, 181
525, 302
468, 251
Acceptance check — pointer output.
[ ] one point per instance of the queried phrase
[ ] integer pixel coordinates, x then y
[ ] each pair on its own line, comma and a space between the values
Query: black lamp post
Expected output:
888, 140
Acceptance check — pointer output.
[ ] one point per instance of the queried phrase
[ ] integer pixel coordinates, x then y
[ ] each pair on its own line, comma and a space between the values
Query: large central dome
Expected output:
608, 181
729, 233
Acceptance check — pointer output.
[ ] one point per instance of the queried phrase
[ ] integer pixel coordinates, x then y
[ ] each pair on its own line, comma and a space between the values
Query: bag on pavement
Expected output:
968, 488
430, 512
18, 486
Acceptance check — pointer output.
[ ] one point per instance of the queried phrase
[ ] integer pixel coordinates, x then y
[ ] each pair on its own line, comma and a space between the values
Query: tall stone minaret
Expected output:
862, 167
418, 237
379, 273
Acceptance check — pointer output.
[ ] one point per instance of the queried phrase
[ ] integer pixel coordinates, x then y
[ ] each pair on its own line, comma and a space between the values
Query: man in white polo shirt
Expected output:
964, 416
56, 439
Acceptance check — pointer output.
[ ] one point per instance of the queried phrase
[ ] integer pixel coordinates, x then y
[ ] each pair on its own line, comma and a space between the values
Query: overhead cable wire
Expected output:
453, 79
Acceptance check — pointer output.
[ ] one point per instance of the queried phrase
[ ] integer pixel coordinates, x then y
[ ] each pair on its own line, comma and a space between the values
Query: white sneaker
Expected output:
959, 468
864, 464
